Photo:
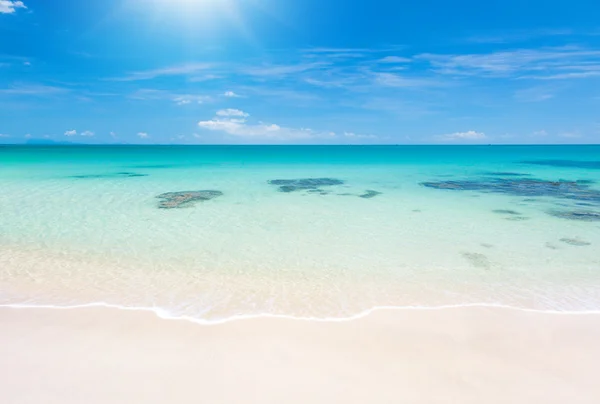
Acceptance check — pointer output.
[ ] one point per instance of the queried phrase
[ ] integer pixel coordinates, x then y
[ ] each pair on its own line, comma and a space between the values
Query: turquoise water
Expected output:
405, 226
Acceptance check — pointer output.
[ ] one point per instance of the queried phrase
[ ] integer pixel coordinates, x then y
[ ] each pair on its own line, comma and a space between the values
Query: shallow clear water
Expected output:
78, 225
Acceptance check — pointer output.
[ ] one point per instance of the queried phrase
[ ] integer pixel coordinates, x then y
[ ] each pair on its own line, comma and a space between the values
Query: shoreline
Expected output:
163, 314
463, 354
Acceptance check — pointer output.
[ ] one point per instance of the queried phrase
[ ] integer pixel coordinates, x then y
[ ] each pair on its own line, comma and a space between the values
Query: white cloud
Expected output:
10, 6
233, 122
231, 94
186, 99
27, 136
462, 136
73, 132
232, 112
181, 70
540, 133
3, 135
143, 135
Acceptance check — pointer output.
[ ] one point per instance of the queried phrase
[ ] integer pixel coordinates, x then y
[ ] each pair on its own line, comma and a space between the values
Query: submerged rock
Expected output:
173, 200
305, 184
152, 166
506, 174
575, 241
113, 175
566, 163
477, 260
370, 194
581, 215
506, 212
517, 218
523, 187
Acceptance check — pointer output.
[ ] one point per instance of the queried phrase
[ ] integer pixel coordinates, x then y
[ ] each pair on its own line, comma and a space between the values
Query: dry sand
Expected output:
462, 355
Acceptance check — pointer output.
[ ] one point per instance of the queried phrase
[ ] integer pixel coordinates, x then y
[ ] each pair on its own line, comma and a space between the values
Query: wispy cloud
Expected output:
143, 135
338, 50
282, 70
571, 75
4, 135
10, 6
71, 133
542, 63
396, 80
467, 136
33, 89
394, 59
570, 135
179, 99
180, 70
534, 94
518, 36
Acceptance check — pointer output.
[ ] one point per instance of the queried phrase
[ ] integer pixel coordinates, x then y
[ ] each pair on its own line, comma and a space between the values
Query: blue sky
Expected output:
300, 72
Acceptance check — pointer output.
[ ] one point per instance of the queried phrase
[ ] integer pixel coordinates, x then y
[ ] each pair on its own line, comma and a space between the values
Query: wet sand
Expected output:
455, 355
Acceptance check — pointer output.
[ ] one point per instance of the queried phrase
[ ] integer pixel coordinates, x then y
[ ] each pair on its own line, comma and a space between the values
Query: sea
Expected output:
212, 233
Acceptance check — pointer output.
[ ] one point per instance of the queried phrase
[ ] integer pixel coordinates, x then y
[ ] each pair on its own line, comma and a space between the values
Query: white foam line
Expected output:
161, 313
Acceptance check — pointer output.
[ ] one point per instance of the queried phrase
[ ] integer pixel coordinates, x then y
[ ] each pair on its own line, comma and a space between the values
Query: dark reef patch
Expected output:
305, 184
157, 166
173, 200
114, 175
580, 215
477, 260
575, 241
517, 218
565, 163
370, 194
506, 174
506, 212
523, 188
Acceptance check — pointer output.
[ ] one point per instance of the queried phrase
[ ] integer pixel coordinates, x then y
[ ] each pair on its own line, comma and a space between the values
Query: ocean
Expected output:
325, 232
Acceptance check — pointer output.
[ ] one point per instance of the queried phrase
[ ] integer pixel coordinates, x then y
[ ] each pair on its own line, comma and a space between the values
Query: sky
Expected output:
300, 71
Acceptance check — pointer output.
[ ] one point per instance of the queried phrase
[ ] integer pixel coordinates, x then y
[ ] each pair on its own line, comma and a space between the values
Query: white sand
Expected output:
463, 355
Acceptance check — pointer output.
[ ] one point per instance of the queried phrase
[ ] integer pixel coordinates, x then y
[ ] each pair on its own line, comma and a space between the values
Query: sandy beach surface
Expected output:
454, 355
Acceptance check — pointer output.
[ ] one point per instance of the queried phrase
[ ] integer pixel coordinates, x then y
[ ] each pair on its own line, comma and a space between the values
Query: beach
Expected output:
221, 274
451, 355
